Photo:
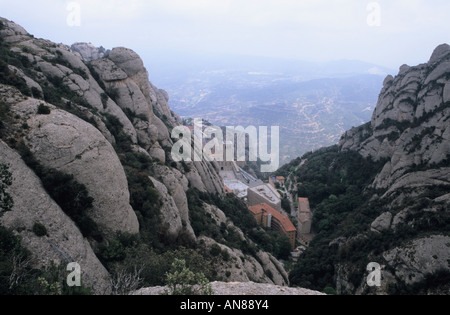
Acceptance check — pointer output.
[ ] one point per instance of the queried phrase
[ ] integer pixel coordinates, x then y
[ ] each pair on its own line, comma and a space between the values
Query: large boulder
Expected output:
382, 223
64, 142
173, 220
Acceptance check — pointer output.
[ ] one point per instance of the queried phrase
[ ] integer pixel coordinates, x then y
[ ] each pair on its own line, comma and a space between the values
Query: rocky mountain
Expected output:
86, 138
409, 126
385, 195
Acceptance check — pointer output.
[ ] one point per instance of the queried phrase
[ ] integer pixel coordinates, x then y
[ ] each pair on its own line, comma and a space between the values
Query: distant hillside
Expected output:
312, 103
382, 195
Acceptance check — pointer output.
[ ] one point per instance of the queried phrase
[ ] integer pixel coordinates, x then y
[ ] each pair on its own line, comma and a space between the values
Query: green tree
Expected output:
182, 281
286, 205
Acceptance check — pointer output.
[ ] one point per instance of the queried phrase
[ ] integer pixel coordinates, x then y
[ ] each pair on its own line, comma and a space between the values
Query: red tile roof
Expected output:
282, 219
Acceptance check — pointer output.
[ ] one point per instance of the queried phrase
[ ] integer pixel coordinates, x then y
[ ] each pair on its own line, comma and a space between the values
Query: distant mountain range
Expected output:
167, 67
313, 103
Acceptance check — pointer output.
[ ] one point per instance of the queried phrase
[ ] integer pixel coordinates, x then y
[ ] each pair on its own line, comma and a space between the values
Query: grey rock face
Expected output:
30, 82
422, 257
127, 60
240, 267
172, 188
13, 32
64, 242
108, 71
409, 132
170, 215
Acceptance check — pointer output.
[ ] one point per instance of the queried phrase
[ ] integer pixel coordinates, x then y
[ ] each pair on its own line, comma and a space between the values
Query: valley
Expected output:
312, 108
88, 177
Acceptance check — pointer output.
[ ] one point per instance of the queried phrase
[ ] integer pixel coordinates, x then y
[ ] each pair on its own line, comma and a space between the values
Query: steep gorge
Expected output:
94, 116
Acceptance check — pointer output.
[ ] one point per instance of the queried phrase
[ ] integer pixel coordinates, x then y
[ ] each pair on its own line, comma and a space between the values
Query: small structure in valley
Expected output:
267, 216
304, 220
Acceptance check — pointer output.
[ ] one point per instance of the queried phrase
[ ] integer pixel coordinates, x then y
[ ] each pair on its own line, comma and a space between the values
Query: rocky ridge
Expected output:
410, 133
89, 93
409, 127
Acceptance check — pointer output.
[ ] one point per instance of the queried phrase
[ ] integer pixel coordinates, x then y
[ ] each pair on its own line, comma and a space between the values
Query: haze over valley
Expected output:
312, 103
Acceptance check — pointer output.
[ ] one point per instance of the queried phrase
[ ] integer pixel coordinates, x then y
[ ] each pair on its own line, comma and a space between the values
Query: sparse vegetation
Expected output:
9, 77
5, 116
437, 283
39, 229
130, 256
18, 275
236, 211
96, 76
105, 98
71, 196
334, 182
182, 281
6, 201
113, 93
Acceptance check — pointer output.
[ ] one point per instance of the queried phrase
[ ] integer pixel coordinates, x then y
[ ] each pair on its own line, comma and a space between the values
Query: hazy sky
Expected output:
386, 32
